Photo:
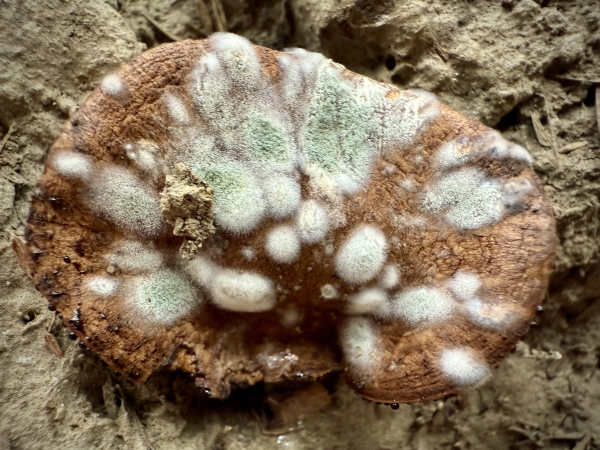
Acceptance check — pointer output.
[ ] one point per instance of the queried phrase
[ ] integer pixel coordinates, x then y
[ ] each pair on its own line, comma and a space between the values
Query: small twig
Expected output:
219, 15
207, 23
579, 80
597, 108
582, 445
159, 27
11, 128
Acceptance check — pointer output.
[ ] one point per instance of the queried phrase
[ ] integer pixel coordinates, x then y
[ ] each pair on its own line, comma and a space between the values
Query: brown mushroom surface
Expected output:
356, 226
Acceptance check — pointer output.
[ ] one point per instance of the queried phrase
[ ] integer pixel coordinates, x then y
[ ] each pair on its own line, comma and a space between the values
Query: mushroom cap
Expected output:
356, 226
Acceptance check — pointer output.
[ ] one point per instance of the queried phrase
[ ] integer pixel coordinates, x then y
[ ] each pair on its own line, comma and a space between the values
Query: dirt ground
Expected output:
528, 68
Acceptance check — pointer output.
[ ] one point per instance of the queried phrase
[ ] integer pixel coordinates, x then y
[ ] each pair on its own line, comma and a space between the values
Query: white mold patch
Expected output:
283, 196
282, 244
113, 85
103, 286
239, 202
488, 316
390, 277
514, 190
422, 305
466, 198
329, 292
242, 292
452, 154
122, 198
312, 222
238, 58
462, 367
405, 118
72, 165
360, 344
361, 256
368, 301
177, 110
465, 285
346, 185
164, 297
498, 147
137, 257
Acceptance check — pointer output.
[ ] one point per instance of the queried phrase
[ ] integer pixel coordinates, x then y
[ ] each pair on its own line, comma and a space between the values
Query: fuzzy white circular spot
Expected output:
465, 285
360, 344
164, 297
103, 286
283, 196
122, 198
312, 222
113, 85
368, 301
177, 110
462, 367
72, 165
242, 292
361, 256
422, 304
390, 277
466, 198
282, 244
329, 292
487, 316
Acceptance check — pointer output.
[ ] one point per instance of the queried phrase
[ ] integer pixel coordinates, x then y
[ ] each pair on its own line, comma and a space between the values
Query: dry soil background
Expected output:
528, 68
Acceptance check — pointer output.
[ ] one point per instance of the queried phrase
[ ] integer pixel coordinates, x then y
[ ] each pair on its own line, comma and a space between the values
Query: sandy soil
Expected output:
528, 68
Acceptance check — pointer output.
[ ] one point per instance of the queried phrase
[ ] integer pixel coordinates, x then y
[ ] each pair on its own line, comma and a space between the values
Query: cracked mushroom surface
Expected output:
247, 215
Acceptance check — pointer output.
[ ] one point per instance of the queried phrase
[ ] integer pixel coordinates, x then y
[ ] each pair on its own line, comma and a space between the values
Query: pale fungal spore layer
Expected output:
360, 343
422, 305
466, 198
489, 316
164, 297
136, 257
126, 201
390, 277
368, 301
361, 256
462, 367
103, 286
72, 165
282, 244
242, 292
113, 85
465, 285
312, 222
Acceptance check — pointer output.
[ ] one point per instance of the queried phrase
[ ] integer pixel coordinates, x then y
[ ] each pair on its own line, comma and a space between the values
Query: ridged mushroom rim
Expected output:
246, 215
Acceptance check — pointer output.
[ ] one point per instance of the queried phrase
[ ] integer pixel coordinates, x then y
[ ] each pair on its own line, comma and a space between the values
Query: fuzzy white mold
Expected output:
488, 316
361, 257
465, 285
422, 305
462, 367
125, 200
177, 110
136, 257
282, 244
113, 85
283, 196
390, 277
72, 165
312, 222
368, 301
103, 286
242, 292
164, 297
360, 343
466, 198
329, 292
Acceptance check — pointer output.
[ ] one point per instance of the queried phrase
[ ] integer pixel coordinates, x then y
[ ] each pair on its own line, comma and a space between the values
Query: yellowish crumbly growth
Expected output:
187, 204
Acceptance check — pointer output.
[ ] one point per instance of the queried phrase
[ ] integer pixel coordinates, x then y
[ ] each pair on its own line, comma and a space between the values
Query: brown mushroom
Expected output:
356, 226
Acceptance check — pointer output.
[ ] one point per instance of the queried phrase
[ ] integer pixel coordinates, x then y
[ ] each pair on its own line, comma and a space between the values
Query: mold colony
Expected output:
356, 226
